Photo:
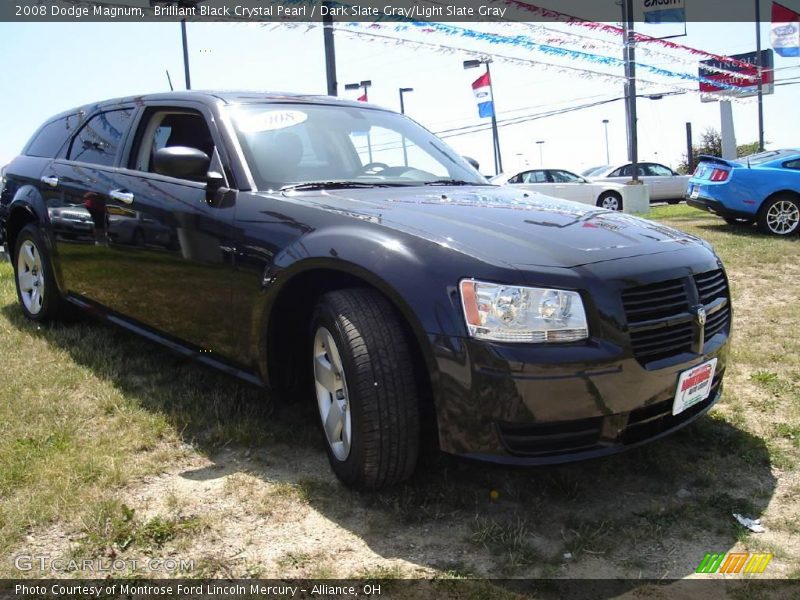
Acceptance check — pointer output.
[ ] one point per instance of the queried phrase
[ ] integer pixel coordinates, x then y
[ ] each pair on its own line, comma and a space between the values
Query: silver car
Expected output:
663, 183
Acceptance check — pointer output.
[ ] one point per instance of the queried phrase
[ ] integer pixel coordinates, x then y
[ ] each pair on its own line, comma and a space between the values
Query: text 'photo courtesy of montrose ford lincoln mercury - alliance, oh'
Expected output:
340, 254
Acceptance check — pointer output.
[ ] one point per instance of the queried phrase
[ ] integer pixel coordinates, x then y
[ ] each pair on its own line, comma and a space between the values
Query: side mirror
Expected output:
473, 162
181, 162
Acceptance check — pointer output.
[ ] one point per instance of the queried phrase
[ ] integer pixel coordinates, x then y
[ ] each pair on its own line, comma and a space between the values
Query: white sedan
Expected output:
663, 183
560, 183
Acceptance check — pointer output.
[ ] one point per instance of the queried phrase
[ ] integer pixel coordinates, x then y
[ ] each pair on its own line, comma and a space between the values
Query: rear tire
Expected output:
610, 200
674, 201
364, 385
37, 291
780, 216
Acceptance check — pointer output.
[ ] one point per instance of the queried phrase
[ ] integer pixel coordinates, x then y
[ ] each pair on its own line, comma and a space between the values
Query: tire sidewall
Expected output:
347, 470
49, 297
762, 217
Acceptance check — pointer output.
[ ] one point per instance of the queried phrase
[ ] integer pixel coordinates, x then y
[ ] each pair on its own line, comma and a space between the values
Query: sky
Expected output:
51, 67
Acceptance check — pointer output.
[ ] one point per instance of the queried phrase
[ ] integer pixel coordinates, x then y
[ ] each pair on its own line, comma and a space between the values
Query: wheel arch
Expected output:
280, 348
27, 206
785, 192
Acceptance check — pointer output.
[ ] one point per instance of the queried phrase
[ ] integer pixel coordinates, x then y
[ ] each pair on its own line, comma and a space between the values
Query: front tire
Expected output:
780, 216
610, 201
673, 201
365, 389
33, 273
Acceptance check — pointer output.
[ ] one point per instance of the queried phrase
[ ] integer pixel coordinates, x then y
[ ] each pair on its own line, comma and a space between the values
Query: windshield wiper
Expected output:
451, 182
325, 185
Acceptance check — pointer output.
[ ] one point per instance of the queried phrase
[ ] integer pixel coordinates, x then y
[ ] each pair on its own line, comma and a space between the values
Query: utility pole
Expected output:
759, 74
629, 54
330, 53
689, 148
185, 56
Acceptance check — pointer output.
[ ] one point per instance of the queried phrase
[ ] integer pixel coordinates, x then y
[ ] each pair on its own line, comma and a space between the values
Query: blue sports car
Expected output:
763, 188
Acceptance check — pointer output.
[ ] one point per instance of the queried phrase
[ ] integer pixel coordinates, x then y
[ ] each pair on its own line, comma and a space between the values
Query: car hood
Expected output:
502, 225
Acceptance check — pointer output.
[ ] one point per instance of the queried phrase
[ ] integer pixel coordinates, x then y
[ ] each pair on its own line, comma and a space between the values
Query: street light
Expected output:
402, 104
189, 4
540, 143
608, 156
365, 85
472, 64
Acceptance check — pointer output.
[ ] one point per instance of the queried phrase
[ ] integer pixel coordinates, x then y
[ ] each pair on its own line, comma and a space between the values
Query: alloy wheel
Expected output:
332, 398
30, 277
783, 217
609, 202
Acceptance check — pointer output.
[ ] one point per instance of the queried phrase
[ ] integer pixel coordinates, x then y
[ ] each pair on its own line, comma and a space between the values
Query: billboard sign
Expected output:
744, 87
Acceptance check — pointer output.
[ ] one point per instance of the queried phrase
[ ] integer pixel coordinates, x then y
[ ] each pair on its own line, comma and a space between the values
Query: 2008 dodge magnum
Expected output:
344, 253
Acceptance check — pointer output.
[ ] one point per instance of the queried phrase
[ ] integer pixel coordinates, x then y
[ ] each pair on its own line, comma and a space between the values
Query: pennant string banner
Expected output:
521, 41
554, 15
358, 30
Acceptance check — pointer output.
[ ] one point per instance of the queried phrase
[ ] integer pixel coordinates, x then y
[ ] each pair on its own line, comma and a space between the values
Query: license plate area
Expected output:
694, 385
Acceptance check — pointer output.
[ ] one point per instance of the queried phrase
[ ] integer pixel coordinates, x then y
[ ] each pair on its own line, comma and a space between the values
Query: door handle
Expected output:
121, 196
50, 181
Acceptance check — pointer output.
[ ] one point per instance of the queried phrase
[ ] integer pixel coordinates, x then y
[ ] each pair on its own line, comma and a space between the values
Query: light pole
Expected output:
608, 156
402, 104
182, 4
365, 85
471, 64
540, 143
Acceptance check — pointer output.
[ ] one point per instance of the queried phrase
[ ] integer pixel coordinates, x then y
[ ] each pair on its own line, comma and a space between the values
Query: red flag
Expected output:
363, 97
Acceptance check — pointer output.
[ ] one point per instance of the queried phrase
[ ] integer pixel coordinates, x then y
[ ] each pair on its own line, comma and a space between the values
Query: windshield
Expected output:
291, 144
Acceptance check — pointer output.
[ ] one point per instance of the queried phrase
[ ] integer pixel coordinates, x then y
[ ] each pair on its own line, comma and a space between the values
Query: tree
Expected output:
711, 145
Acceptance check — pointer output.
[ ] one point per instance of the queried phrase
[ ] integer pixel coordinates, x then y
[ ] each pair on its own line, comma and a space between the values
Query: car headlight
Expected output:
512, 313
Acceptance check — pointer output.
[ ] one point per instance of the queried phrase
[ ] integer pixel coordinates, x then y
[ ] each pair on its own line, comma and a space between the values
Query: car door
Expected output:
669, 184
75, 187
569, 186
171, 237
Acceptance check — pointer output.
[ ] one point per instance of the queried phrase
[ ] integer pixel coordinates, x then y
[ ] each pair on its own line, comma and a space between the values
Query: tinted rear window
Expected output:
51, 137
99, 140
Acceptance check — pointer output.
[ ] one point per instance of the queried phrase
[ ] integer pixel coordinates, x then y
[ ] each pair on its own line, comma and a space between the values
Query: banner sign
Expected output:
741, 86
664, 11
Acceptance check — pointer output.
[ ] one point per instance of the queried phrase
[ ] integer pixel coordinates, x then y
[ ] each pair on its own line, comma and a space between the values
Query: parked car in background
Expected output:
763, 188
664, 184
564, 184
340, 254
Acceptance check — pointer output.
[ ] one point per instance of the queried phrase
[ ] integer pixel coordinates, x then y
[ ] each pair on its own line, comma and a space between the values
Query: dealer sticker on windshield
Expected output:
694, 386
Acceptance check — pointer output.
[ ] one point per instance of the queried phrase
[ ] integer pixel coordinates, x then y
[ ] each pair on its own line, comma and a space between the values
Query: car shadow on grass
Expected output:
651, 512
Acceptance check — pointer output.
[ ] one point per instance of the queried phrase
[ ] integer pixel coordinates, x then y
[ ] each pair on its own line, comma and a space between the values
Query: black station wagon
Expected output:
342, 253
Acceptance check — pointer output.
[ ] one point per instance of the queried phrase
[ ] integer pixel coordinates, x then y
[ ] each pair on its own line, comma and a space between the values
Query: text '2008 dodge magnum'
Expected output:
342, 252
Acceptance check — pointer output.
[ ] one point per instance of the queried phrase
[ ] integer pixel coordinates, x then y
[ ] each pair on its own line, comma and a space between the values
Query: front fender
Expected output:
423, 290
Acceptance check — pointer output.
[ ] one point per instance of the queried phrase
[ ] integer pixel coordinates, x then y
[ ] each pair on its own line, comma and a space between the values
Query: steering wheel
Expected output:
369, 168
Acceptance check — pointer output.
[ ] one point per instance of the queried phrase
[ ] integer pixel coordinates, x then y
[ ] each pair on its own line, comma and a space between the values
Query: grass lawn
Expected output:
113, 447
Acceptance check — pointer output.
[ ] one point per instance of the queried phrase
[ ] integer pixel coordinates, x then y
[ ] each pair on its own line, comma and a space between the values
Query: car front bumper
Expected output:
503, 404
